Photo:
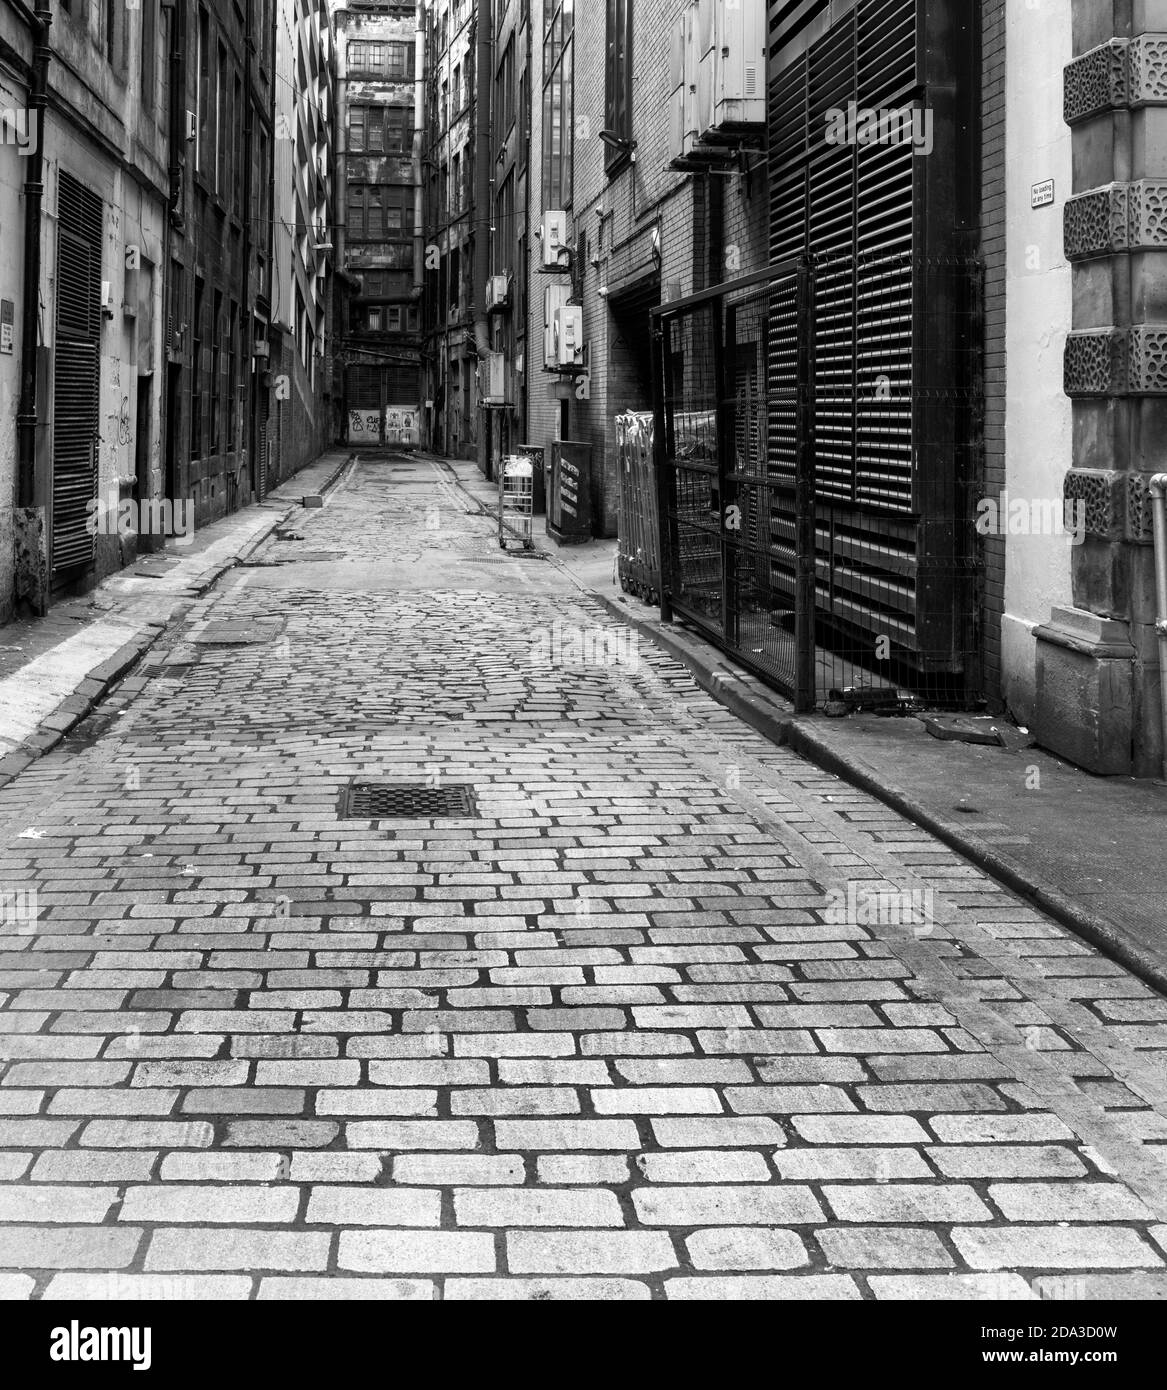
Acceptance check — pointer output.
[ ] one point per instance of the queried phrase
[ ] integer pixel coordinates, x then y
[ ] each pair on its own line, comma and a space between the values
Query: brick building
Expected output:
639, 230
379, 236
455, 331
81, 278
219, 273
507, 175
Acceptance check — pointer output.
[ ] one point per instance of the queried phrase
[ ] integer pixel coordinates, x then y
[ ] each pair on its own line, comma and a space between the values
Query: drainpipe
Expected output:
245, 365
33, 195
484, 210
1158, 489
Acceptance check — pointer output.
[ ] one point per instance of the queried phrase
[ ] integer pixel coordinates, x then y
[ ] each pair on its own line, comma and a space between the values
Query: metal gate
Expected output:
817, 524
734, 372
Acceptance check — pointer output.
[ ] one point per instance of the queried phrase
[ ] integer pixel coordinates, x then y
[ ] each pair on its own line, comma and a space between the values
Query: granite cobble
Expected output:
606, 1037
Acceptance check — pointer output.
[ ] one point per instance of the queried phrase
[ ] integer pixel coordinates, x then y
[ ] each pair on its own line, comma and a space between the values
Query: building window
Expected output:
380, 129
400, 67
373, 321
232, 367
222, 132
203, 95
380, 212
618, 80
196, 373
237, 152
366, 57
149, 72
504, 224
115, 34
558, 103
504, 89
216, 378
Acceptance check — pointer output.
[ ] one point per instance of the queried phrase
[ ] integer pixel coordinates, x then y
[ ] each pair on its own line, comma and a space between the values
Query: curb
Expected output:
98, 682
742, 694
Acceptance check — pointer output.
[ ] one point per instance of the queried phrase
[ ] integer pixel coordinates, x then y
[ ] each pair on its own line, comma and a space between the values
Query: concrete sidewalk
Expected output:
53, 670
1090, 851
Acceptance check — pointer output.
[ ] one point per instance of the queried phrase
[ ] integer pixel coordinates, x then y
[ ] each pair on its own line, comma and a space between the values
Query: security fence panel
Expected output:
722, 394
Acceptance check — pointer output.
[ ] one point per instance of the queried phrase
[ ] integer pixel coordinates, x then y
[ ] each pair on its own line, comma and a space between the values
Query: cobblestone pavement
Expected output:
647, 1023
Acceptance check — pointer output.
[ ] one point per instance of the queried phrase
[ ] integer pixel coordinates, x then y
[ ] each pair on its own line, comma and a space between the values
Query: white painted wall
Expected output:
1038, 305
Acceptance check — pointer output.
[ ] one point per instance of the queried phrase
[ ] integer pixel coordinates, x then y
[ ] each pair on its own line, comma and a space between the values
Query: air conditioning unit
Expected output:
732, 83
494, 381
497, 292
555, 296
705, 39
677, 84
692, 36
556, 251
567, 331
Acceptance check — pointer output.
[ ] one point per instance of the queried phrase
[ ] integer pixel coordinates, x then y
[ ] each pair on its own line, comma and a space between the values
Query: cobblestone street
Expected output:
670, 1013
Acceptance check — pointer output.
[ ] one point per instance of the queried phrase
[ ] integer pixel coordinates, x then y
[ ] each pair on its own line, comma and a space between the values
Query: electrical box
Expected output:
555, 296
497, 292
568, 333
556, 252
733, 59
677, 85
717, 79
704, 52
494, 385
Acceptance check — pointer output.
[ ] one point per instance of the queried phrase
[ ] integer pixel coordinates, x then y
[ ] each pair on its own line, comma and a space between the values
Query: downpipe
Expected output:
32, 540
1158, 491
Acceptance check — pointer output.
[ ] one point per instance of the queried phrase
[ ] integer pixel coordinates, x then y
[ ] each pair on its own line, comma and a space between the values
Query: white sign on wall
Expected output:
1043, 194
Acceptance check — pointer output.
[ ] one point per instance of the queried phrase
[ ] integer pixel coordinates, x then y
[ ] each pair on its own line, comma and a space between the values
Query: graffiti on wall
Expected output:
401, 426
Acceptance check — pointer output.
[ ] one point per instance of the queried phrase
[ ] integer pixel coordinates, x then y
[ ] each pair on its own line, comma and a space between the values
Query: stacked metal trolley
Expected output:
516, 501
638, 564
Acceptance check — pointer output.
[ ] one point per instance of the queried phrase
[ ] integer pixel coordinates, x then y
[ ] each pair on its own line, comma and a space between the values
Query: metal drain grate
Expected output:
377, 800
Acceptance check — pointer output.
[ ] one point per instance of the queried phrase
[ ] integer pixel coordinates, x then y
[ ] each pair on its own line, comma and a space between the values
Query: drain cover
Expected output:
377, 800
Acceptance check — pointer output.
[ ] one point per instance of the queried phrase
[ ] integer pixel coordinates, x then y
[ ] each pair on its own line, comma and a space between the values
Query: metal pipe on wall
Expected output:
1158, 490
26, 413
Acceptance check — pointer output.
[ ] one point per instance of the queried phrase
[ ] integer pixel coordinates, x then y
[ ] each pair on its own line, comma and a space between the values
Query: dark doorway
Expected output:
173, 398
148, 537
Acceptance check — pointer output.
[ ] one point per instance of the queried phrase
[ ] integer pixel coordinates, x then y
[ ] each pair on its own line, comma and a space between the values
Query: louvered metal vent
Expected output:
890, 375
75, 373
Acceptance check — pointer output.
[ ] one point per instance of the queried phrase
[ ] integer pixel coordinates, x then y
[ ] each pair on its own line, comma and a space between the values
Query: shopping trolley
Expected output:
516, 501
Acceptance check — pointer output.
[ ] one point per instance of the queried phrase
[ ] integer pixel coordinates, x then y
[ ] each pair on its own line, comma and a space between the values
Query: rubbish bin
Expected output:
569, 507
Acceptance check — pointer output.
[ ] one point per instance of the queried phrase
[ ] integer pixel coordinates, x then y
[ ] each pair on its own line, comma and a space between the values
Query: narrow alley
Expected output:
406, 929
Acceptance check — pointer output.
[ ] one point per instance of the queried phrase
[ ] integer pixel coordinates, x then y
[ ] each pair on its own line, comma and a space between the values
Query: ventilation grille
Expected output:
860, 211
